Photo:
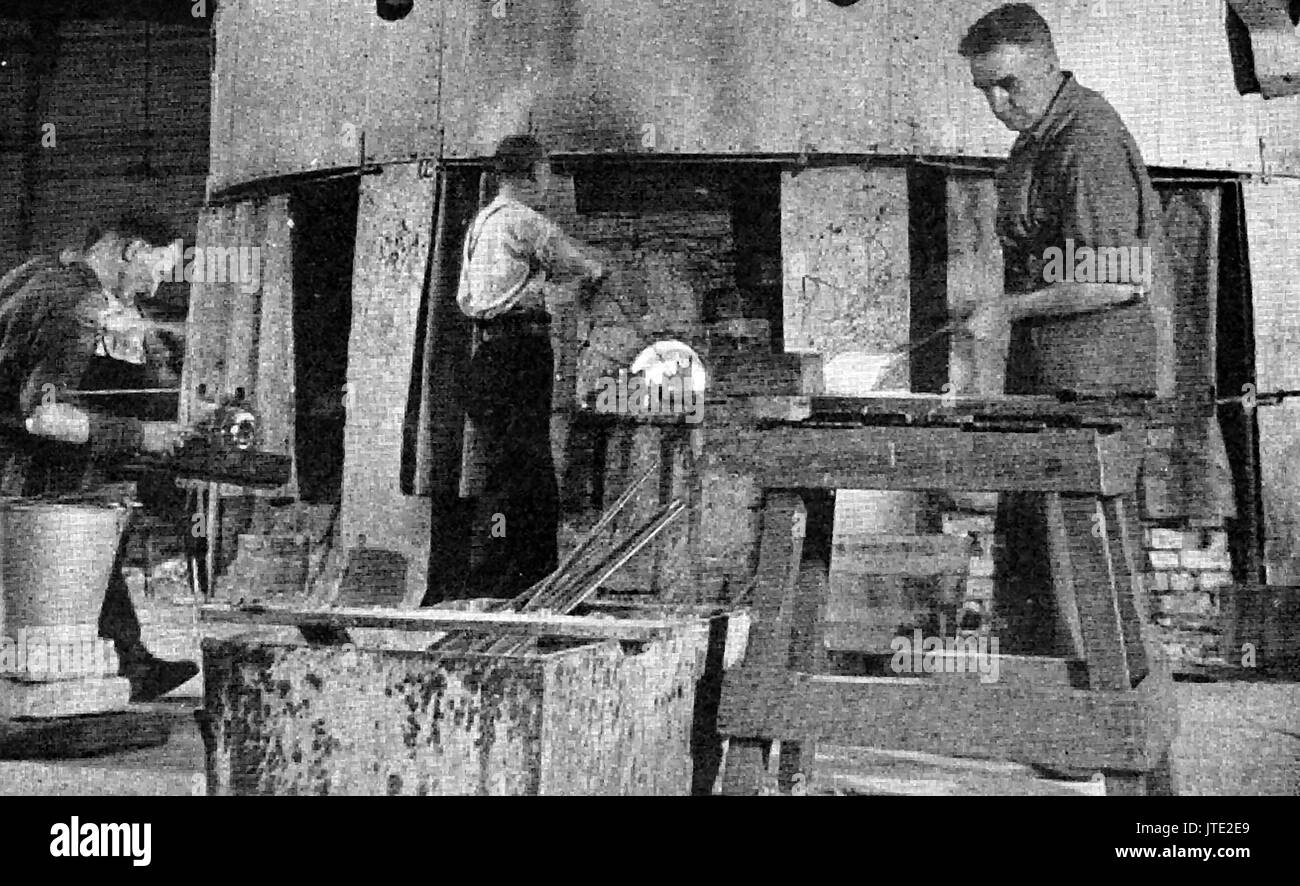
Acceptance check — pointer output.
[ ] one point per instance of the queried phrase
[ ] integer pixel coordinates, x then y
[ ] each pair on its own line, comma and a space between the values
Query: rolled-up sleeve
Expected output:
63, 340
1101, 202
556, 251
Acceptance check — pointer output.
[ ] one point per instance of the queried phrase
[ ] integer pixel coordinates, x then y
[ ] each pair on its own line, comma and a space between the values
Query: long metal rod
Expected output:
605, 520
122, 392
912, 347
590, 587
461, 641
577, 592
620, 555
563, 600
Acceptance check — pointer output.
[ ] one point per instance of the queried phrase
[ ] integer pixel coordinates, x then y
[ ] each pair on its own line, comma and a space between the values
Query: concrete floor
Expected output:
1237, 738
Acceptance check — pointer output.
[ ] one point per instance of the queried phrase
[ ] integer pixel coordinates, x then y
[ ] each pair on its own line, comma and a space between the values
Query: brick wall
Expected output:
1187, 572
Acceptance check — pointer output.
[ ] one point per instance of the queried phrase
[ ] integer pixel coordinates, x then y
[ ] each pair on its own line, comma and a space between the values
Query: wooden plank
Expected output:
1065, 728
394, 236
61, 738
974, 266
1200, 476
780, 551
207, 321
242, 324
1062, 571
275, 391
529, 624
935, 458
1093, 559
62, 698
1134, 613
794, 408
808, 654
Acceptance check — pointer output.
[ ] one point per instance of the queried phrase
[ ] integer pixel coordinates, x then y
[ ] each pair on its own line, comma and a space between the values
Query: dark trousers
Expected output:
117, 618
510, 403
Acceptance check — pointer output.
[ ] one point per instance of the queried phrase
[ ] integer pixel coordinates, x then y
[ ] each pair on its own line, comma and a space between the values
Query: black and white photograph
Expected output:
461, 398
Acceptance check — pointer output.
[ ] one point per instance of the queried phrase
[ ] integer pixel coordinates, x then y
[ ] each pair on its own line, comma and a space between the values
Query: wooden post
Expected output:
781, 549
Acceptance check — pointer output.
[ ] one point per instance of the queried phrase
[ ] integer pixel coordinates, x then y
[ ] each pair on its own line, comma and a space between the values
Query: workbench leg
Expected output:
808, 655
1133, 608
746, 767
1069, 632
770, 642
1096, 592
1112, 614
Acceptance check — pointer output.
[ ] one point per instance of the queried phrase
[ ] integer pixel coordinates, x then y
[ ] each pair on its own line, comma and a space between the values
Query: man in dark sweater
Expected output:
69, 327
1074, 186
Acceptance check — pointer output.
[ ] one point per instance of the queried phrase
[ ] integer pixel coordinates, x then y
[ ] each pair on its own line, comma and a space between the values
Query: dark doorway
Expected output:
324, 233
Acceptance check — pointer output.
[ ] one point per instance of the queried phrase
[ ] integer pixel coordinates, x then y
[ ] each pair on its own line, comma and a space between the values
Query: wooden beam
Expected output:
1078, 461
530, 624
785, 520
1092, 557
1062, 573
1109, 410
1134, 611
1059, 727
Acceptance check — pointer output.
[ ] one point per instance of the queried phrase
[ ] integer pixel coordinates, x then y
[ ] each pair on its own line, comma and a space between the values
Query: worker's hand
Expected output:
59, 421
161, 437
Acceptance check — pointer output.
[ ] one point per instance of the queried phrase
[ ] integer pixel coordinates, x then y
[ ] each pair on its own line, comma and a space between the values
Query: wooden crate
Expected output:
587, 717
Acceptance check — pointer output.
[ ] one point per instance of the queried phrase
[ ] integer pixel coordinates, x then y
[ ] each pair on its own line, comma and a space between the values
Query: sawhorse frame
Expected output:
1121, 722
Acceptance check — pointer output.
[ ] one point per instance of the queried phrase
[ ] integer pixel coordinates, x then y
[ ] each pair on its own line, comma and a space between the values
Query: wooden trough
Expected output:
581, 714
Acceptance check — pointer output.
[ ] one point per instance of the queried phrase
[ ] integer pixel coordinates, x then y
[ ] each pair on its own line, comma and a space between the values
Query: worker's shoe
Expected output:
153, 677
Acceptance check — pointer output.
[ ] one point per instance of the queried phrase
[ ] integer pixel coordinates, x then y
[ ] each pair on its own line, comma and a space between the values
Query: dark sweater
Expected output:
48, 330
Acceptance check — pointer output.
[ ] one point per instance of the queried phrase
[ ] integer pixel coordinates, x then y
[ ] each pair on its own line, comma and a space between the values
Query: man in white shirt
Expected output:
511, 251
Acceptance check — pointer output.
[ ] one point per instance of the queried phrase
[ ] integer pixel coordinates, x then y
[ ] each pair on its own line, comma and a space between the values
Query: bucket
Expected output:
55, 562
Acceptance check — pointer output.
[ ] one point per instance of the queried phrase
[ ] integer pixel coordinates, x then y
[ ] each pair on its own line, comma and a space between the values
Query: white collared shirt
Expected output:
508, 252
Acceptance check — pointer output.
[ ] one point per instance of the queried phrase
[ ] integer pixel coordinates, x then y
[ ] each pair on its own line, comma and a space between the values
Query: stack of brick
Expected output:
1188, 571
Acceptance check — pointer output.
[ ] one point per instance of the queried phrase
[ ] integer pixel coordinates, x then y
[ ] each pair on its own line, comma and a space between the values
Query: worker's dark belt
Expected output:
515, 323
